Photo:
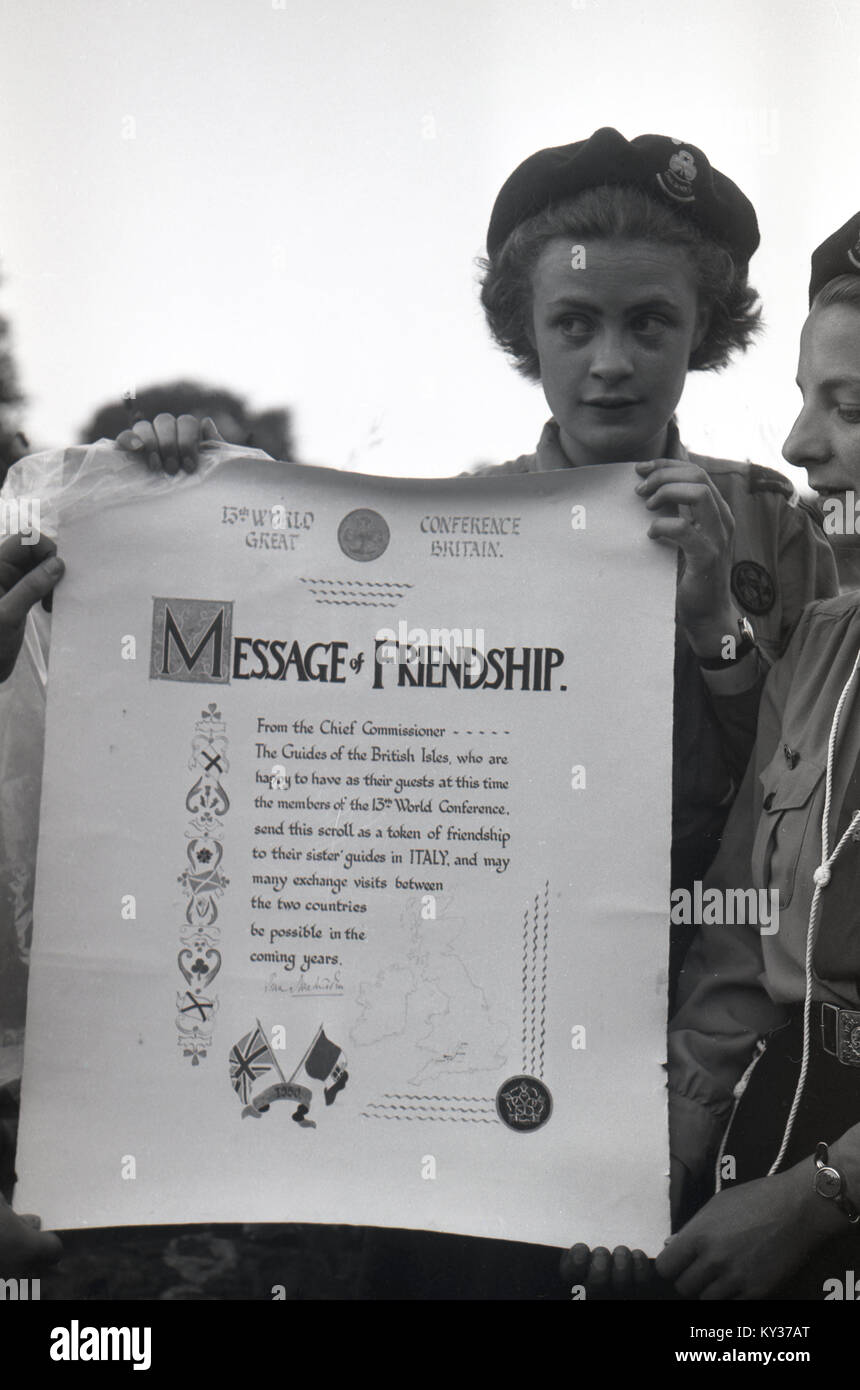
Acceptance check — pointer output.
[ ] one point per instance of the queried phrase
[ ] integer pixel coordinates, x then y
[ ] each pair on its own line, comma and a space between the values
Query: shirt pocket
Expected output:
786, 827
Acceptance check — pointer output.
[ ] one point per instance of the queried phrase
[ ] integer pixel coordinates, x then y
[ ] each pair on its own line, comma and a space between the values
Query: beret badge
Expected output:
854, 254
677, 181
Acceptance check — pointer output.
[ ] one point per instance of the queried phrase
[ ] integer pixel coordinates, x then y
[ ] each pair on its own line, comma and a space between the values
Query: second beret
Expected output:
838, 255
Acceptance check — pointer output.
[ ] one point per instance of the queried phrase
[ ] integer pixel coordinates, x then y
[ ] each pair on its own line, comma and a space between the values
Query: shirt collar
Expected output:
550, 455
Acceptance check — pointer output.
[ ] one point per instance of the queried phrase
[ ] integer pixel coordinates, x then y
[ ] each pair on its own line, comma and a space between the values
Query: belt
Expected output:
840, 1032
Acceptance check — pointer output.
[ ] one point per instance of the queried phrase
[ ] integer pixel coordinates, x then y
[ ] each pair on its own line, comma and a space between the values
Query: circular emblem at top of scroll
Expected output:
523, 1103
363, 534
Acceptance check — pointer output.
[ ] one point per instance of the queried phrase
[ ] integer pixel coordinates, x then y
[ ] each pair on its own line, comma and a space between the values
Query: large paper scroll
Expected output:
354, 859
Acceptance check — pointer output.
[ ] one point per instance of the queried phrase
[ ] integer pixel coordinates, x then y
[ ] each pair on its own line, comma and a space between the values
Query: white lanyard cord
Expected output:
821, 878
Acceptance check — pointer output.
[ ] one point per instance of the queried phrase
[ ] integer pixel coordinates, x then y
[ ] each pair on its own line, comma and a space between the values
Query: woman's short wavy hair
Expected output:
843, 289
617, 212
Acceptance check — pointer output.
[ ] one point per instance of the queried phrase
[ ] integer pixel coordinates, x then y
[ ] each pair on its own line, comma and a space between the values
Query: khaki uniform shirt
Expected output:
738, 980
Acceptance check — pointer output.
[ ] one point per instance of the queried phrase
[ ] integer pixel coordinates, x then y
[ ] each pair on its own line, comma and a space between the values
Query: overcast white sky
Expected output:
286, 197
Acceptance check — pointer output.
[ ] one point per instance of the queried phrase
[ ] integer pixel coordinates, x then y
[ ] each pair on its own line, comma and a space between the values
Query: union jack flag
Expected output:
250, 1058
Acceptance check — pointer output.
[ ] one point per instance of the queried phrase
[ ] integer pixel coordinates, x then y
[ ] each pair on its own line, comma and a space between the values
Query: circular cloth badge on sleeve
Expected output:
523, 1103
363, 534
753, 587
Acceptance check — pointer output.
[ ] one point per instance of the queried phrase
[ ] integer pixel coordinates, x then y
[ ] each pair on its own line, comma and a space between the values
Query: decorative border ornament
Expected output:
358, 593
523, 1102
476, 1110
199, 959
534, 977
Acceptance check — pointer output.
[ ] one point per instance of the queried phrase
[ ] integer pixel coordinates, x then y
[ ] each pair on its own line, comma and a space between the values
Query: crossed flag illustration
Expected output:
253, 1058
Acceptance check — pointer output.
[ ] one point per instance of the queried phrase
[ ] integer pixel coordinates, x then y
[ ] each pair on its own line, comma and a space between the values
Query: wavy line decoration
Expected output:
358, 593
462, 1119
534, 982
397, 1106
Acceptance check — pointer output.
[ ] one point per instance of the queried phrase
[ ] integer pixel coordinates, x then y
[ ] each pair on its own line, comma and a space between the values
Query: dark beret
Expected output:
675, 173
838, 255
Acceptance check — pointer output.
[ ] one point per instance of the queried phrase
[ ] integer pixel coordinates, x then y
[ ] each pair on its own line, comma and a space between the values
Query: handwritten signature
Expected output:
324, 984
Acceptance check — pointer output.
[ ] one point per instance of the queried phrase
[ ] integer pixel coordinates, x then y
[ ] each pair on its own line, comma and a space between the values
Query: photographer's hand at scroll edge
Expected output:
23, 1246
28, 573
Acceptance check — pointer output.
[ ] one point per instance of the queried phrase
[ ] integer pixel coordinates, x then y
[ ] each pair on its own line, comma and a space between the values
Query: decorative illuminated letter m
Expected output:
191, 640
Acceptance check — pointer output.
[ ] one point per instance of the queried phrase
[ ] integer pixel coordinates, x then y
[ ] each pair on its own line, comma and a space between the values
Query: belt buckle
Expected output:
840, 1034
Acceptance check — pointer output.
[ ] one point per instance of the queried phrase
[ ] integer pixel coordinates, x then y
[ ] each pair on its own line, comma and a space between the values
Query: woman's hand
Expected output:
749, 1239
168, 442
623, 1274
23, 1247
693, 516
27, 573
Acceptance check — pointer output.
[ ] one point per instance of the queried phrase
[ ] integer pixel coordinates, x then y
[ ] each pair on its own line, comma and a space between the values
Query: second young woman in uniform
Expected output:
767, 1037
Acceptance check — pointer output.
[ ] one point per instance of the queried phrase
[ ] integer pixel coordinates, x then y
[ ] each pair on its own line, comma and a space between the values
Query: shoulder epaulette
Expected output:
761, 479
